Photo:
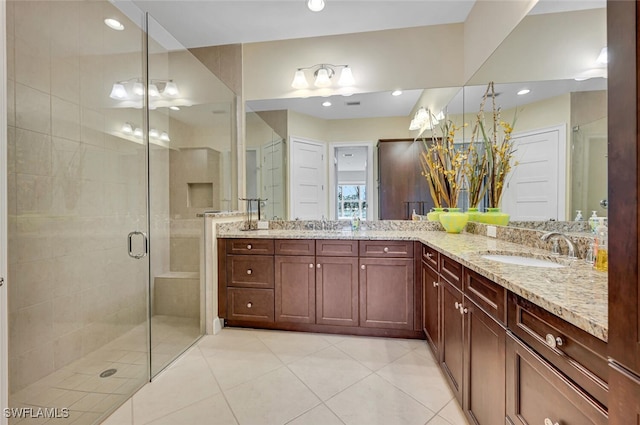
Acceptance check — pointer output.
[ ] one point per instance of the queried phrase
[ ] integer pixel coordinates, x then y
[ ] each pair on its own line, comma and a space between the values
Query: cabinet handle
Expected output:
310, 266
548, 421
249, 304
386, 249
553, 342
363, 267
435, 284
249, 246
318, 265
249, 271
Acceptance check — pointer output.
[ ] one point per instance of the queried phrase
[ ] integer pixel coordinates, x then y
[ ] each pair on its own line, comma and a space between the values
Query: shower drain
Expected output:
107, 373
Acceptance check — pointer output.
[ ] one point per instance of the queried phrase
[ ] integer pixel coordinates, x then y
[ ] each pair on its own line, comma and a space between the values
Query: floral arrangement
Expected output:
443, 166
498, 148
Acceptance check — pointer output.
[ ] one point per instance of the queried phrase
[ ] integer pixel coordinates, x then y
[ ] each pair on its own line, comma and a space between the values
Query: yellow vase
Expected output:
454, 221
495, 217
474, 215
434, 214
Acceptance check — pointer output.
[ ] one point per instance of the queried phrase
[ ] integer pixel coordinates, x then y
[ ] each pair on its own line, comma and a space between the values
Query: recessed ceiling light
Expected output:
315, 5
114, 24
174, 108
326, 103
523, 91
396, 93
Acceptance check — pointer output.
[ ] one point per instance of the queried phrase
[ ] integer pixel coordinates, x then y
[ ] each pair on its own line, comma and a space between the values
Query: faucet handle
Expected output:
555, 248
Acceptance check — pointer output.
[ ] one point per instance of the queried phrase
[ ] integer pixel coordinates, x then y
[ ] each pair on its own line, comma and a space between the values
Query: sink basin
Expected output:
523, 261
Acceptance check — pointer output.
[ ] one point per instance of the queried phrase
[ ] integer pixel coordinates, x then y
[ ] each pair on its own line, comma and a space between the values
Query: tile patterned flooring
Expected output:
261, 377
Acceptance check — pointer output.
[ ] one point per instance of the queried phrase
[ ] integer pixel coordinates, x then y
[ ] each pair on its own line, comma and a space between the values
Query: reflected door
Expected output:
307, 180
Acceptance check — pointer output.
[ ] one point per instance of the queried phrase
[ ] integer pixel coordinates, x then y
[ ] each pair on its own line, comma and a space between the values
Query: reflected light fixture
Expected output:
171, 89
138, 88
326, 103
127, 128
424, 119
174, 108
396, 93
165, 137
154, 133
118, 91
114, 24
134, 89
315, 5
523, 92
153, 90
138, 132
322, 74
603, 57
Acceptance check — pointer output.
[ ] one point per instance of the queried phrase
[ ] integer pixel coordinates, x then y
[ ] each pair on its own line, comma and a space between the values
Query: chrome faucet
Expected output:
557, 235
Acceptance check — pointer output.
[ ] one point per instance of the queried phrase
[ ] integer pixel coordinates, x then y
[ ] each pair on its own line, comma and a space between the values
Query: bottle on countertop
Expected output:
593, 221
578, 216
355, 222
602, 241
414, 216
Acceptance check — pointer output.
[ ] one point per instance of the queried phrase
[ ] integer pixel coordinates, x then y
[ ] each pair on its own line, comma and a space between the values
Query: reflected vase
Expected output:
495, 217
454, 221
434, 214
475, 216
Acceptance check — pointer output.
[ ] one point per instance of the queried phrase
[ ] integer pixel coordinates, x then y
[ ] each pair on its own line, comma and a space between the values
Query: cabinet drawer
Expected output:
451, 271
295, 247
538, 394
581, 356
336, 248
250, 304
430, 256
250, 271
490, 296
250, 246
386, 249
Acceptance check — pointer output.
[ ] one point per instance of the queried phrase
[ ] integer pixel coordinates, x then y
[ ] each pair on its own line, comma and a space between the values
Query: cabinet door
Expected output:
538, 394
484, 378
451, 355
625, 396
337, 291
295, 289
386, 293
431, 307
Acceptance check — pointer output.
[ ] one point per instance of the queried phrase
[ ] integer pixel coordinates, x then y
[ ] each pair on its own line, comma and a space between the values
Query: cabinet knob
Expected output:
386, 249
457, 305
249, 304
318, 265
553, 341
463, 310
548, 421
249, 271
249, 246
363, 267
429, 255
310, 266
435, 284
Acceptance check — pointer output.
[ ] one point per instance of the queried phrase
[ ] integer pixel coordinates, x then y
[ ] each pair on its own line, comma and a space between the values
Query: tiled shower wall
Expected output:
75, 188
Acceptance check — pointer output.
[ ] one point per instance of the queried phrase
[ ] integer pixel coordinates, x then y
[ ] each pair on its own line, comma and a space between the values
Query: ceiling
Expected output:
218, 22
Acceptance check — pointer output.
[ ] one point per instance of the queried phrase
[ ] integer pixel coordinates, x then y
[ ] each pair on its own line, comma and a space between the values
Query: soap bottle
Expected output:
355, 222
578, 215
414, 216
602, 240
593, 221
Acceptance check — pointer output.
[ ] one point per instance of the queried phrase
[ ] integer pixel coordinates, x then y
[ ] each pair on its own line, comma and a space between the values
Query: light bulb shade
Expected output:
440, 116
171, 89
118, 92
153, 90
299, 80
603, 58
138, 89
315, 5
165, 137
154, 133
346, 77
422, 115
127, 128
323, 79
414, 125
137, 132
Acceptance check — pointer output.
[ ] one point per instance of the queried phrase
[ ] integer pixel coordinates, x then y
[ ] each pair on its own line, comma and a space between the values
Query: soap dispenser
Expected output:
602, 242
593, 221
578, 215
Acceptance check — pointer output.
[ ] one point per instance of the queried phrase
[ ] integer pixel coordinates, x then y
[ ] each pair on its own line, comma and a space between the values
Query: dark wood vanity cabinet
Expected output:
431, 307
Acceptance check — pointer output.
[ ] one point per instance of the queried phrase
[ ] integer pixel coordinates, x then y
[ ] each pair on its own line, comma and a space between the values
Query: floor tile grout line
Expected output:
222, 391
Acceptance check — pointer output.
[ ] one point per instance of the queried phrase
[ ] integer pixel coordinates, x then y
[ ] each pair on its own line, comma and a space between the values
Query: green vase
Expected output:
495, 217
454, 221
434, 214
474, 215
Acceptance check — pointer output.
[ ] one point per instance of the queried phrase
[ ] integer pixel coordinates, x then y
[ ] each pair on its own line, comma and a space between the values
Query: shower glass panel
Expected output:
77, 181
191, 127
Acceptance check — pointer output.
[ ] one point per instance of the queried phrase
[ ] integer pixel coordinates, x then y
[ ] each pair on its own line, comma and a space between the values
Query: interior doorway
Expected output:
307, 184
351, 181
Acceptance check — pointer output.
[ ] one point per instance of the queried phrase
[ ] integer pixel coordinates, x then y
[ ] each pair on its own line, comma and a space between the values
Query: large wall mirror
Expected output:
561, 125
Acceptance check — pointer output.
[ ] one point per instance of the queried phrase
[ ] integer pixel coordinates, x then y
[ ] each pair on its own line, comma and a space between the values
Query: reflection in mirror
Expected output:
560, 131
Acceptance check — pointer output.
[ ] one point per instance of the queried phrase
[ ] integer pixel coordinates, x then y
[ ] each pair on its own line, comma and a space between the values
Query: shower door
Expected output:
190, 131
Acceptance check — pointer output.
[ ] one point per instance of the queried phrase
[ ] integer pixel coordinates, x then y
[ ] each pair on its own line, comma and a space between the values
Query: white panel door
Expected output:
272, 168
536, 186
307, 180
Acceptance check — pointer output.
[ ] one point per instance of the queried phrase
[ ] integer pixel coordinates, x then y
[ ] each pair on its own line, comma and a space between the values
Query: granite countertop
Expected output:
576, 292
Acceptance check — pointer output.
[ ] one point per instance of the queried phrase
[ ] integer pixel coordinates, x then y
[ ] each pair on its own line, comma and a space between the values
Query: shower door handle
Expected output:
146, 245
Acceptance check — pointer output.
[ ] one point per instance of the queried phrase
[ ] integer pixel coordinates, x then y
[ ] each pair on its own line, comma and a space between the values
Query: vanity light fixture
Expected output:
127, 128
396, 93
164, 136
322, 74
523, 92
154, 133
315, 5
114, 24
133, 89
424, 119
138, 132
